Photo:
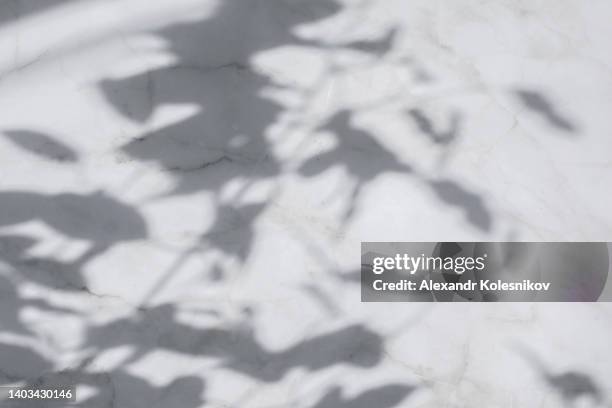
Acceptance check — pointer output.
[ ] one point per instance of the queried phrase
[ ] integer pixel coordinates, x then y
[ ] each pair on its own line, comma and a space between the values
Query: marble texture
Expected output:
186, 183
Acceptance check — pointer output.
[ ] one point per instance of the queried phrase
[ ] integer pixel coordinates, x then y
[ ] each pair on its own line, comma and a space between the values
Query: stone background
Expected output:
186, 183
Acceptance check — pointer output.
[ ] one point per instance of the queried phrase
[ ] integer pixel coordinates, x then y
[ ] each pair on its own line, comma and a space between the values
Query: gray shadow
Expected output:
42, 145
386, 396
471, 204
427, 127
542, 106
14, 10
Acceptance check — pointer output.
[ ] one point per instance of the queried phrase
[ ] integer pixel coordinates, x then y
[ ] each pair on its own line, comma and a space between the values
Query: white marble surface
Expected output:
186, 183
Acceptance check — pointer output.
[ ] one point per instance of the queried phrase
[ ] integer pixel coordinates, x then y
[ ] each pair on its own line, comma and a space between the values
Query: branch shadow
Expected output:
427, 127
539, 104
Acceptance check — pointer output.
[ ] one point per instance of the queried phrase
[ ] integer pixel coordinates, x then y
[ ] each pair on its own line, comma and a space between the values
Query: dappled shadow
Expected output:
357, 152
96, 218
236, 348
45, 271
225, 141
213, 71
113, 388
233, 348
354, 152
23, 365
12, 304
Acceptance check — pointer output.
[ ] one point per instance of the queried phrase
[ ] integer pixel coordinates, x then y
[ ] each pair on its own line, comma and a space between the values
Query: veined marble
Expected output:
186, 183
